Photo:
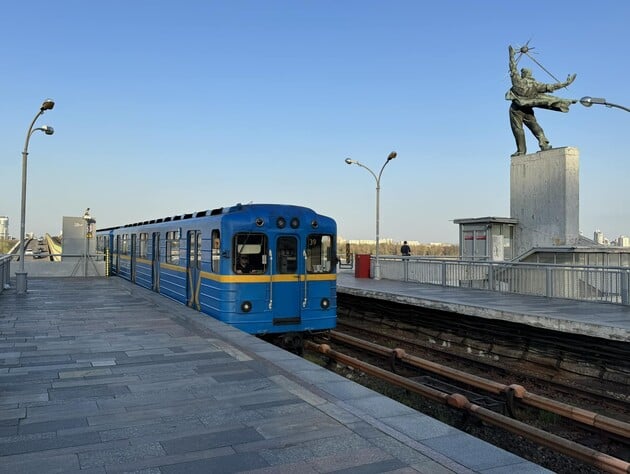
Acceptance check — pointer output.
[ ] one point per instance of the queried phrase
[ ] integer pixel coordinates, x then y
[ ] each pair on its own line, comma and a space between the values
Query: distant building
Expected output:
623, 241
4, 228
598, 237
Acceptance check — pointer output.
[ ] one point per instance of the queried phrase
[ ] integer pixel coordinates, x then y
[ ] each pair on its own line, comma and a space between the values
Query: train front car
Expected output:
281, 279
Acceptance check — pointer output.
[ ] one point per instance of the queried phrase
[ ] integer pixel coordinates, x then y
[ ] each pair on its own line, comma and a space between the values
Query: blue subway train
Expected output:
267, 269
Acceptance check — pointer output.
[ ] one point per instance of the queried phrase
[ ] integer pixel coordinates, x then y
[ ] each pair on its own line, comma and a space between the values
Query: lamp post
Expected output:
588, 101
20, 276
390, 157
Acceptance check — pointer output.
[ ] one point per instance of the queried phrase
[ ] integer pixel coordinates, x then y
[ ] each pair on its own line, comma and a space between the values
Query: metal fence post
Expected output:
625, 287
490, 276
5, 272
443, 265
549, 282
406, 268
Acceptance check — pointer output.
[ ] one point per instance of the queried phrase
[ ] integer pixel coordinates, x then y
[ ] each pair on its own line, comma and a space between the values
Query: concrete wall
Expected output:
70, 266
544, 197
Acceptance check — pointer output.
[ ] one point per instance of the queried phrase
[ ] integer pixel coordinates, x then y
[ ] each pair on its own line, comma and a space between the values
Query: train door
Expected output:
193, 268
116, 259
287, 286
134, 251
155, 262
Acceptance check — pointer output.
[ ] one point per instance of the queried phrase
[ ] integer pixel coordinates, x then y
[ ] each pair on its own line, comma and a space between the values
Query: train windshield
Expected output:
250, 253
320, 254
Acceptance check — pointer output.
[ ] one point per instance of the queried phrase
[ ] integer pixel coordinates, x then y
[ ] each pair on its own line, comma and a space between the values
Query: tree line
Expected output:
434, 250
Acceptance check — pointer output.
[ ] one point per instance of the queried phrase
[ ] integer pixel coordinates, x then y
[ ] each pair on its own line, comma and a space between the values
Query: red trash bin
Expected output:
362, 266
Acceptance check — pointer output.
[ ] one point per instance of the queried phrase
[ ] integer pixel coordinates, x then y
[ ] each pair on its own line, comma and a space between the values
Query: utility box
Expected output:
362, 266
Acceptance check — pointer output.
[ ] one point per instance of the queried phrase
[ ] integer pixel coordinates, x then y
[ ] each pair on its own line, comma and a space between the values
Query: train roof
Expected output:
213, 212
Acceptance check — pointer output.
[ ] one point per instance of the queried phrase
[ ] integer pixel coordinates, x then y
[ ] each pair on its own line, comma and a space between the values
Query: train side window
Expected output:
286, 254
250, 253
172, 247
142, 247
216, 250
194, 244
319, 253
124, 250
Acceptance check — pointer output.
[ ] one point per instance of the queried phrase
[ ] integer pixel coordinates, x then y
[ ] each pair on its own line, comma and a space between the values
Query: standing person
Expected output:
527, 93
405, 250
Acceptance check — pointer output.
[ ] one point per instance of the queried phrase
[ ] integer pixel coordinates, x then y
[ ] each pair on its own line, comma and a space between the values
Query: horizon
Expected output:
163, 108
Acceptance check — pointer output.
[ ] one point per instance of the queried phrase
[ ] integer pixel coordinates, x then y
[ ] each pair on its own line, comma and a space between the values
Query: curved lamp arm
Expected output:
588, 101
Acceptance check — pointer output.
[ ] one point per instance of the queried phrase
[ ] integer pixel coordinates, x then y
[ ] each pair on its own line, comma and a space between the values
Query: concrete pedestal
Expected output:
21, 283
544, 198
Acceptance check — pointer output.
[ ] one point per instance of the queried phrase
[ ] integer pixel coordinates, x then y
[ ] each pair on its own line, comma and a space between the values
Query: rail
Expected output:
458, 401
577, 282
5, 271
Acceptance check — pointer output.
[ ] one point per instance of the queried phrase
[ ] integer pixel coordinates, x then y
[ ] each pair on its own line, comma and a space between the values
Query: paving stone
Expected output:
44, 444
220, 465
53, 425
12, 414
210, 440
89, 391
60, 464
376, 467
130, 453
472, 453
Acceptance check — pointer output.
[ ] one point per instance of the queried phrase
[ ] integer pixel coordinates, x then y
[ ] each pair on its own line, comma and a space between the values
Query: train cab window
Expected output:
216, 250
142, 247
250, 253
319, 253
286, 255
172, 247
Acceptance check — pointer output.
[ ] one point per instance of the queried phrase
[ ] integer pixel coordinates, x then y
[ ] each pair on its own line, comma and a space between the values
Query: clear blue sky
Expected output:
168, 107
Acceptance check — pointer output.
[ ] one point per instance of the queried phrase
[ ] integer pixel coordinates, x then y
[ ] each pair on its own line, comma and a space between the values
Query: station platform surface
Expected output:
603, 320
101, 376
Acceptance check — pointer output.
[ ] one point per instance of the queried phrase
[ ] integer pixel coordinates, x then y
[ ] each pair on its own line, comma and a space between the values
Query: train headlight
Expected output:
295, 223
314, 224
325, 303
281, 222
260, 222
246, 306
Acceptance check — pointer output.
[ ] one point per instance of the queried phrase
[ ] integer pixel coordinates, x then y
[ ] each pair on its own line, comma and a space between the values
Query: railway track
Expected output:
615, 399
603, 367
459, 397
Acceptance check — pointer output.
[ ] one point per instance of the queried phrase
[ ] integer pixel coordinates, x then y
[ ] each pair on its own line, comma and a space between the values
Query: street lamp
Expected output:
390, 157
588, 101
20, 276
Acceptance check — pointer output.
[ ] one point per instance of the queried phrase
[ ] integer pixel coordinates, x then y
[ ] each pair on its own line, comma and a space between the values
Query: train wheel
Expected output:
293, 342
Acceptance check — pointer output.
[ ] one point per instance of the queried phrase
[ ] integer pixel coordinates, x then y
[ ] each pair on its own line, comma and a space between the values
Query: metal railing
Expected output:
578, 282
5, 271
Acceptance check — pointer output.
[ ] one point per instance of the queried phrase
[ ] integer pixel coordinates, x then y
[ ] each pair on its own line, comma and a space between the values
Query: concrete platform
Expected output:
100, 376
603, 320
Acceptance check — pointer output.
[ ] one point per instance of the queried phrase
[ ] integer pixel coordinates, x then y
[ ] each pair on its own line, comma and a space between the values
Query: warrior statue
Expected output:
527, 93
